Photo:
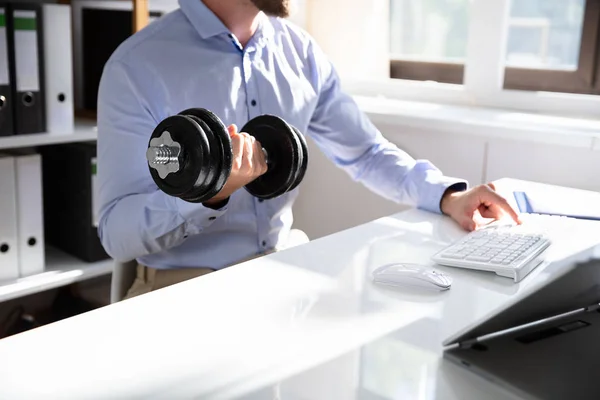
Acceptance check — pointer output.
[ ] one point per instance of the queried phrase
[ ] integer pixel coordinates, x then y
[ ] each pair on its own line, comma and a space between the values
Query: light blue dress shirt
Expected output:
188, 58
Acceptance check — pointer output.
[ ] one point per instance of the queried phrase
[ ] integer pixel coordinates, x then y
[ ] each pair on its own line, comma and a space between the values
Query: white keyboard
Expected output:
507, 251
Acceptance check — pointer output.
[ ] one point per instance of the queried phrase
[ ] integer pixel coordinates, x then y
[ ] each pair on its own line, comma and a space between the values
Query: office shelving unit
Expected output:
85, 130
61, 268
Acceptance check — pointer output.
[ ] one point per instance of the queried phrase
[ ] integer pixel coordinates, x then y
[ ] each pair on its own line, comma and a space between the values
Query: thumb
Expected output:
467, 222
232, 129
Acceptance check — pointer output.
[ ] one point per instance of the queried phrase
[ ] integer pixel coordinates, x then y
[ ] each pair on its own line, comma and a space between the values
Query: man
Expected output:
239, 59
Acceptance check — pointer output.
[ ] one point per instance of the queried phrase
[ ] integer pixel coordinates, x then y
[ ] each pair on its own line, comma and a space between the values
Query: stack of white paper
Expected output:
567, 202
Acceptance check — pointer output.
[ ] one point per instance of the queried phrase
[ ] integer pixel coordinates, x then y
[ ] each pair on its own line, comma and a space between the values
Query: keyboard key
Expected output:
478, 258
453, 255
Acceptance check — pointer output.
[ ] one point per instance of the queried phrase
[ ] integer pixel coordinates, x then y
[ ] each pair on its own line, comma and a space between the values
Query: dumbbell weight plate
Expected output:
220, 152
201, 193
193, 158
283, 148
304, 163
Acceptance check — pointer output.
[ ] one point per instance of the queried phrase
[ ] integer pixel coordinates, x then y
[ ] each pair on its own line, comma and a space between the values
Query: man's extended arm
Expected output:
352, 142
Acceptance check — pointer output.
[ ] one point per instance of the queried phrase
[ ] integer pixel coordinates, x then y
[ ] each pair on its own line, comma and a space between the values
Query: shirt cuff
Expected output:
197, 216
435, 187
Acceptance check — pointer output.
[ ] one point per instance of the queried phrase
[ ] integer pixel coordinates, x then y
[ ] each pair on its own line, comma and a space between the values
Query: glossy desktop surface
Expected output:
304, 323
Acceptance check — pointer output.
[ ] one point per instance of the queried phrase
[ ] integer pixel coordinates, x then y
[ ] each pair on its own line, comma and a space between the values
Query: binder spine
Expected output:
6, 95
58, 69
29, 62
30, 214
9, 261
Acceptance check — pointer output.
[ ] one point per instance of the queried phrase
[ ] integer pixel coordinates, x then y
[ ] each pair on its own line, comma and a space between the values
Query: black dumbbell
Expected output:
189, 155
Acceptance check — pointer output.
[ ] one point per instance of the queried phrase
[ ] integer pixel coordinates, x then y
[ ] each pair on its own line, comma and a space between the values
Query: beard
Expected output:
274, 8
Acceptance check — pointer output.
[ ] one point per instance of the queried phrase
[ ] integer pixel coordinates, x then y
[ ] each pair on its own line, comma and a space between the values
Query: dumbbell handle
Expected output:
166, 155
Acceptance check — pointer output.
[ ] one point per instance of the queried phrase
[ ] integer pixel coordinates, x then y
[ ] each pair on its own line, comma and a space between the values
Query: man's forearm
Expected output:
393, 174
142, 224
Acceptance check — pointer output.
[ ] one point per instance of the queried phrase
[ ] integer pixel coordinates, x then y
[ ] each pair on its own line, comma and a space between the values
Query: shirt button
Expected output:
261, 200
253, 103
264, 243
212, 218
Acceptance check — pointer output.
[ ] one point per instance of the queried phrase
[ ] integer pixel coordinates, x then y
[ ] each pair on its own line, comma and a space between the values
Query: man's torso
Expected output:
186, 60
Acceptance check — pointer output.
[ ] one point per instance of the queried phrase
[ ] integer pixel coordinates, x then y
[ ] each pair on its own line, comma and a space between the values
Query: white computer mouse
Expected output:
415, 275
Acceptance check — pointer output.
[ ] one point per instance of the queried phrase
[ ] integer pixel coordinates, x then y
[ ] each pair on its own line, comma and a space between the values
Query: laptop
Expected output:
544, 344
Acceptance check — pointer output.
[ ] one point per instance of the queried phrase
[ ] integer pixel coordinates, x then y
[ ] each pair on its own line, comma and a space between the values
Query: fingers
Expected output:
261, 158
468, 224
247, 157
232, 129
489, 212
481, 202
496, 206
254, 163
248, 161
237, 146
260, 163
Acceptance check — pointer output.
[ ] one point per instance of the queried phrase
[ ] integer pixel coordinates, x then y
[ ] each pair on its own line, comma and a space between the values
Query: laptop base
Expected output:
557, 358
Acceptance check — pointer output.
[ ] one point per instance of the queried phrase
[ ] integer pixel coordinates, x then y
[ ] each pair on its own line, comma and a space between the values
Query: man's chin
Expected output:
273, 8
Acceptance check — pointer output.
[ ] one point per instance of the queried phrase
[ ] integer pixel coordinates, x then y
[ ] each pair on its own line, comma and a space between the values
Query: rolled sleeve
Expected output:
433, 188
197, 216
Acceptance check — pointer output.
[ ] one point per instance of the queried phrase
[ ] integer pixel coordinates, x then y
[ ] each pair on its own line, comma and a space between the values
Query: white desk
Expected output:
304, 323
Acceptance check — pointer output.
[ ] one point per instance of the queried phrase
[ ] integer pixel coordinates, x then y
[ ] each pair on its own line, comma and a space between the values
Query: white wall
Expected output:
560, 165
354, 34
330, 201
299, 12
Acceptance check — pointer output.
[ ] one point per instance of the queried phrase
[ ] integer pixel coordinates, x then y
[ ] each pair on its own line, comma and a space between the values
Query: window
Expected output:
429, 39
551, 45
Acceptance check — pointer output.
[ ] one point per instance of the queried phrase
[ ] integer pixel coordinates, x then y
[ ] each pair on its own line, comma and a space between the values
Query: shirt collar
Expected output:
208, 24
202, 18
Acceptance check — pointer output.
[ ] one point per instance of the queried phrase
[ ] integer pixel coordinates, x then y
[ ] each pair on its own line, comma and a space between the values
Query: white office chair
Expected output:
124, 273
122, 278
296, 238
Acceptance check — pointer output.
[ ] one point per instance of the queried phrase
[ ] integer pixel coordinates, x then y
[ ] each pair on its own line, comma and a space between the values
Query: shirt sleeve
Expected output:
347, 137
135, 217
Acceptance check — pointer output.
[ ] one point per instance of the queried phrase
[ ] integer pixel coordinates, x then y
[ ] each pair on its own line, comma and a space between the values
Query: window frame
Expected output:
427, 71
584, 80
